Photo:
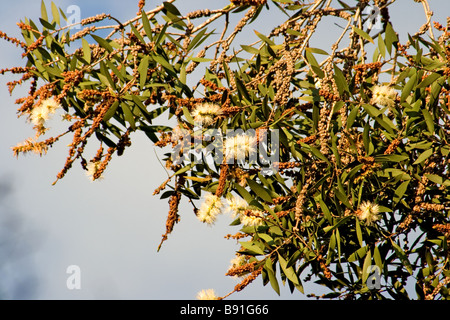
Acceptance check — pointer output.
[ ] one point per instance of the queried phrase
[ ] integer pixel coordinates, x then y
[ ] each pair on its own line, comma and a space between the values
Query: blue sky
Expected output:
111, 228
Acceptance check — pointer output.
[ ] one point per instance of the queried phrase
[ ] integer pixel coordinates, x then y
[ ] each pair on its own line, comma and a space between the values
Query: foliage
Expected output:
362, 177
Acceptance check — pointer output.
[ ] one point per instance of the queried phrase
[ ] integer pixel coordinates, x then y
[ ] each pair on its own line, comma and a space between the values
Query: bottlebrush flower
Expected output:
206, 113
252, 219
237, 205
42, 112
210, 209
239, 146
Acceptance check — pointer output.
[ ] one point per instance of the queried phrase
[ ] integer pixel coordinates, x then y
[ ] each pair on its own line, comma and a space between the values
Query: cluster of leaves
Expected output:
340, 147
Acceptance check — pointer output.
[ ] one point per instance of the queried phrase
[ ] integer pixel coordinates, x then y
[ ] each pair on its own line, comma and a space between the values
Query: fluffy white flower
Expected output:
384, 96
237, 205
51, 105
252, 220
206, 113
369, 212
208, 294
210, 209
239, 146
41, 113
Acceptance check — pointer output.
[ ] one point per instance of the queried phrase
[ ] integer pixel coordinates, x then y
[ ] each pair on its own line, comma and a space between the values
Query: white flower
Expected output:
92, 168
384, 96
41, 113
369, 212
51, 105
237, 205
239, 146
252, 220
210, 209
208, 294
206, 113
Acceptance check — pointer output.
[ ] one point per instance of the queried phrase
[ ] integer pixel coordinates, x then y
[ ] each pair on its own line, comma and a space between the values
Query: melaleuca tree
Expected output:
332, 161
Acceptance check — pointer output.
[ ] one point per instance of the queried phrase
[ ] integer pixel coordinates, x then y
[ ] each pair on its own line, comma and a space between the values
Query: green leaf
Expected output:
143, 69
436, 88
147, 26
111, 111
137, 33
434, 178
408, 87
358, 232
242, 90
259, 191
402, 256
314, 64
105, 77
161, 35
86, 51
363, 34
44, 11
341, 82
390, 158
366, 265
198, 40
428, 120
249, 49
166, 65
424, 156
429, 80
244, 193
171, 8
315, 50
340, 222
46, 24
128, 115
289, 272
377, 258
102, 42
188, 116
391, 38
400, 191
371, 110
264, 38
55, 13
252, 247
271, 274
185, 168
265, 237
358, 254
